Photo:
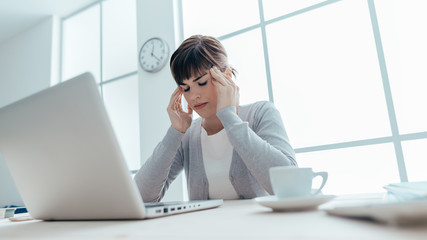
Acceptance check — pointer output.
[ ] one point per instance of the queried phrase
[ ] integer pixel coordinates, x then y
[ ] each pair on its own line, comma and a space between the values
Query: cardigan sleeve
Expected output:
161, 168
266, 145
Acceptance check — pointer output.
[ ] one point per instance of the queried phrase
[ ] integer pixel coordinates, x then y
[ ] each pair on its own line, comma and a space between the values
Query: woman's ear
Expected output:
228, 72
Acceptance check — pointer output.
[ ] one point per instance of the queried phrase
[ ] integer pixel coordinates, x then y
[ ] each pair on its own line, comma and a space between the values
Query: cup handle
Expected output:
324, 176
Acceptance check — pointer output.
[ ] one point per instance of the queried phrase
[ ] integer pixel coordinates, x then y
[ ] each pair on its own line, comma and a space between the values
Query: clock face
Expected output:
153, 54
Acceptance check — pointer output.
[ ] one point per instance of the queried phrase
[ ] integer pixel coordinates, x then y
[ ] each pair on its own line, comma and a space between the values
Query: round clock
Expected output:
154, 54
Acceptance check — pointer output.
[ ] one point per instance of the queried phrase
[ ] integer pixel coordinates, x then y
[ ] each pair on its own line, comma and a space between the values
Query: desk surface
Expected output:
242, 219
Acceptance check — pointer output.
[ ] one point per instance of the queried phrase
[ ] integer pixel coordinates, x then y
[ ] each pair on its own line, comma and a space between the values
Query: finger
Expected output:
217, 84
226, 78
229, 79
175, 105
179, 99
174, 96
178, 103
190, 110
217, 76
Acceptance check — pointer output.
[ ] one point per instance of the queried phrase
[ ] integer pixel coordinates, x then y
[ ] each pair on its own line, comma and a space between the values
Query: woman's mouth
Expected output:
200, 106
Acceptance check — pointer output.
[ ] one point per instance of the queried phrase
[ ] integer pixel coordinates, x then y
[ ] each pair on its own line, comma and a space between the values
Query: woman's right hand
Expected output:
180, 120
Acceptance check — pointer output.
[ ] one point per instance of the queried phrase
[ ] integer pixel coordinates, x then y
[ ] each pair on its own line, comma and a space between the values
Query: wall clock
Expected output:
154, 54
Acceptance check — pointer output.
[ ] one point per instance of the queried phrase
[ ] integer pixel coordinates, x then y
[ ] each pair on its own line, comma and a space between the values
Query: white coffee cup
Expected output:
290, 182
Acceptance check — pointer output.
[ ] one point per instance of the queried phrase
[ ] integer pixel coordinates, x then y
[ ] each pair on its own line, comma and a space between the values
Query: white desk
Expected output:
243, 219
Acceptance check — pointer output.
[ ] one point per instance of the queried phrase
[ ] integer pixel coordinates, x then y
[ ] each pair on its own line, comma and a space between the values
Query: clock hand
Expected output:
155, 57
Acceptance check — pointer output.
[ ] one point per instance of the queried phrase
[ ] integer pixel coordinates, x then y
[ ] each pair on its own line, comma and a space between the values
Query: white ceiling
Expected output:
19, 15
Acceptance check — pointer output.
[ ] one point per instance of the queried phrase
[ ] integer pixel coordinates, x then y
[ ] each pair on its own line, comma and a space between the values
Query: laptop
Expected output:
9, 195
65, 160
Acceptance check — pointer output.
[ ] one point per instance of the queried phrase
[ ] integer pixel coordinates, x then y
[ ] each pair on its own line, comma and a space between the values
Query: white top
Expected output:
217, 153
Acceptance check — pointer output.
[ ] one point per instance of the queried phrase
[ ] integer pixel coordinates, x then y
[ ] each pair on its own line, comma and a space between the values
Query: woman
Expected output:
227, 152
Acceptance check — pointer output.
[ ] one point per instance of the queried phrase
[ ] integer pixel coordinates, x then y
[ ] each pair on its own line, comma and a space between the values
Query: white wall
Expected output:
156, 19
25, 68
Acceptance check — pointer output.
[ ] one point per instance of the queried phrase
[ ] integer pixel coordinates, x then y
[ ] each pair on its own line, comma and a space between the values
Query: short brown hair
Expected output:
197, 54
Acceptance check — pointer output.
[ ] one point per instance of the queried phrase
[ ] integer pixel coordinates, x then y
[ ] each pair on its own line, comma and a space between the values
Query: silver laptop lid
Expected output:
9, 195
61, 150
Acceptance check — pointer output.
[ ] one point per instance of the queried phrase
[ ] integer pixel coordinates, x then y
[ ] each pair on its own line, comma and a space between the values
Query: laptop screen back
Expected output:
61, 149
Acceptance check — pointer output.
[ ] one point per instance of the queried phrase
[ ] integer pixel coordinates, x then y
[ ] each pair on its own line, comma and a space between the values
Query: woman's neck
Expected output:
212, 125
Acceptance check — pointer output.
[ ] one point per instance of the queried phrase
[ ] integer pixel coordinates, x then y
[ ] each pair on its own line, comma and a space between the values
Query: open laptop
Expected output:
9, 195
63, 155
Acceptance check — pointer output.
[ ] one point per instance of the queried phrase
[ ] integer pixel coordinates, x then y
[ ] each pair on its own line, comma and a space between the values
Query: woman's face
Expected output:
201, 94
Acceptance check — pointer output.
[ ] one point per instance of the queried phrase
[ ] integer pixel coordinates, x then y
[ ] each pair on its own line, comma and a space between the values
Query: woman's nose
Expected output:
194, 95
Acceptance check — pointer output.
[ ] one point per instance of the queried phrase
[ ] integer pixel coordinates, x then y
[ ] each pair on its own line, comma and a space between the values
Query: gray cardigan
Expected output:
259, 140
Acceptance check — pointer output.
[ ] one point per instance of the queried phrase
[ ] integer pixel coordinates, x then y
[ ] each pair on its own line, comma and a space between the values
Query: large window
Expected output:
101, 39
347, 77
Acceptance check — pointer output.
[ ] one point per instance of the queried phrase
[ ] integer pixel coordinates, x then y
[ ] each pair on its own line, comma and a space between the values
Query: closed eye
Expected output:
200, 84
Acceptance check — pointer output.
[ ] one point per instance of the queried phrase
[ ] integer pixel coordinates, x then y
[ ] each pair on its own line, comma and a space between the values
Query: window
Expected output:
361, 169
277, 8
347, 77
406, 54
81, 44
101, 39
249, 63
326, 79
198, 19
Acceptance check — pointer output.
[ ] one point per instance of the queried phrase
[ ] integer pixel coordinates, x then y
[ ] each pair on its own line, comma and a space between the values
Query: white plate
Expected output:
287, 204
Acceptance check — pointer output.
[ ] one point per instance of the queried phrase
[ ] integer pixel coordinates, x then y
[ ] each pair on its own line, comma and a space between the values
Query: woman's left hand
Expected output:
228, 91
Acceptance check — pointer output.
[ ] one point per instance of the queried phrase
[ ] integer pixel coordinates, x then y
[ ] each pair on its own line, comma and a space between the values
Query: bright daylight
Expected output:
226, 119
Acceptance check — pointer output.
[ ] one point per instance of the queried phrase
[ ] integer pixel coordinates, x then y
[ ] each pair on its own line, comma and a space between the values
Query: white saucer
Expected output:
297, 203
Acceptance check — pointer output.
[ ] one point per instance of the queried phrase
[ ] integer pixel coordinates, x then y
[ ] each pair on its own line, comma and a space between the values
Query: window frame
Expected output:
102, 82
396, 138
